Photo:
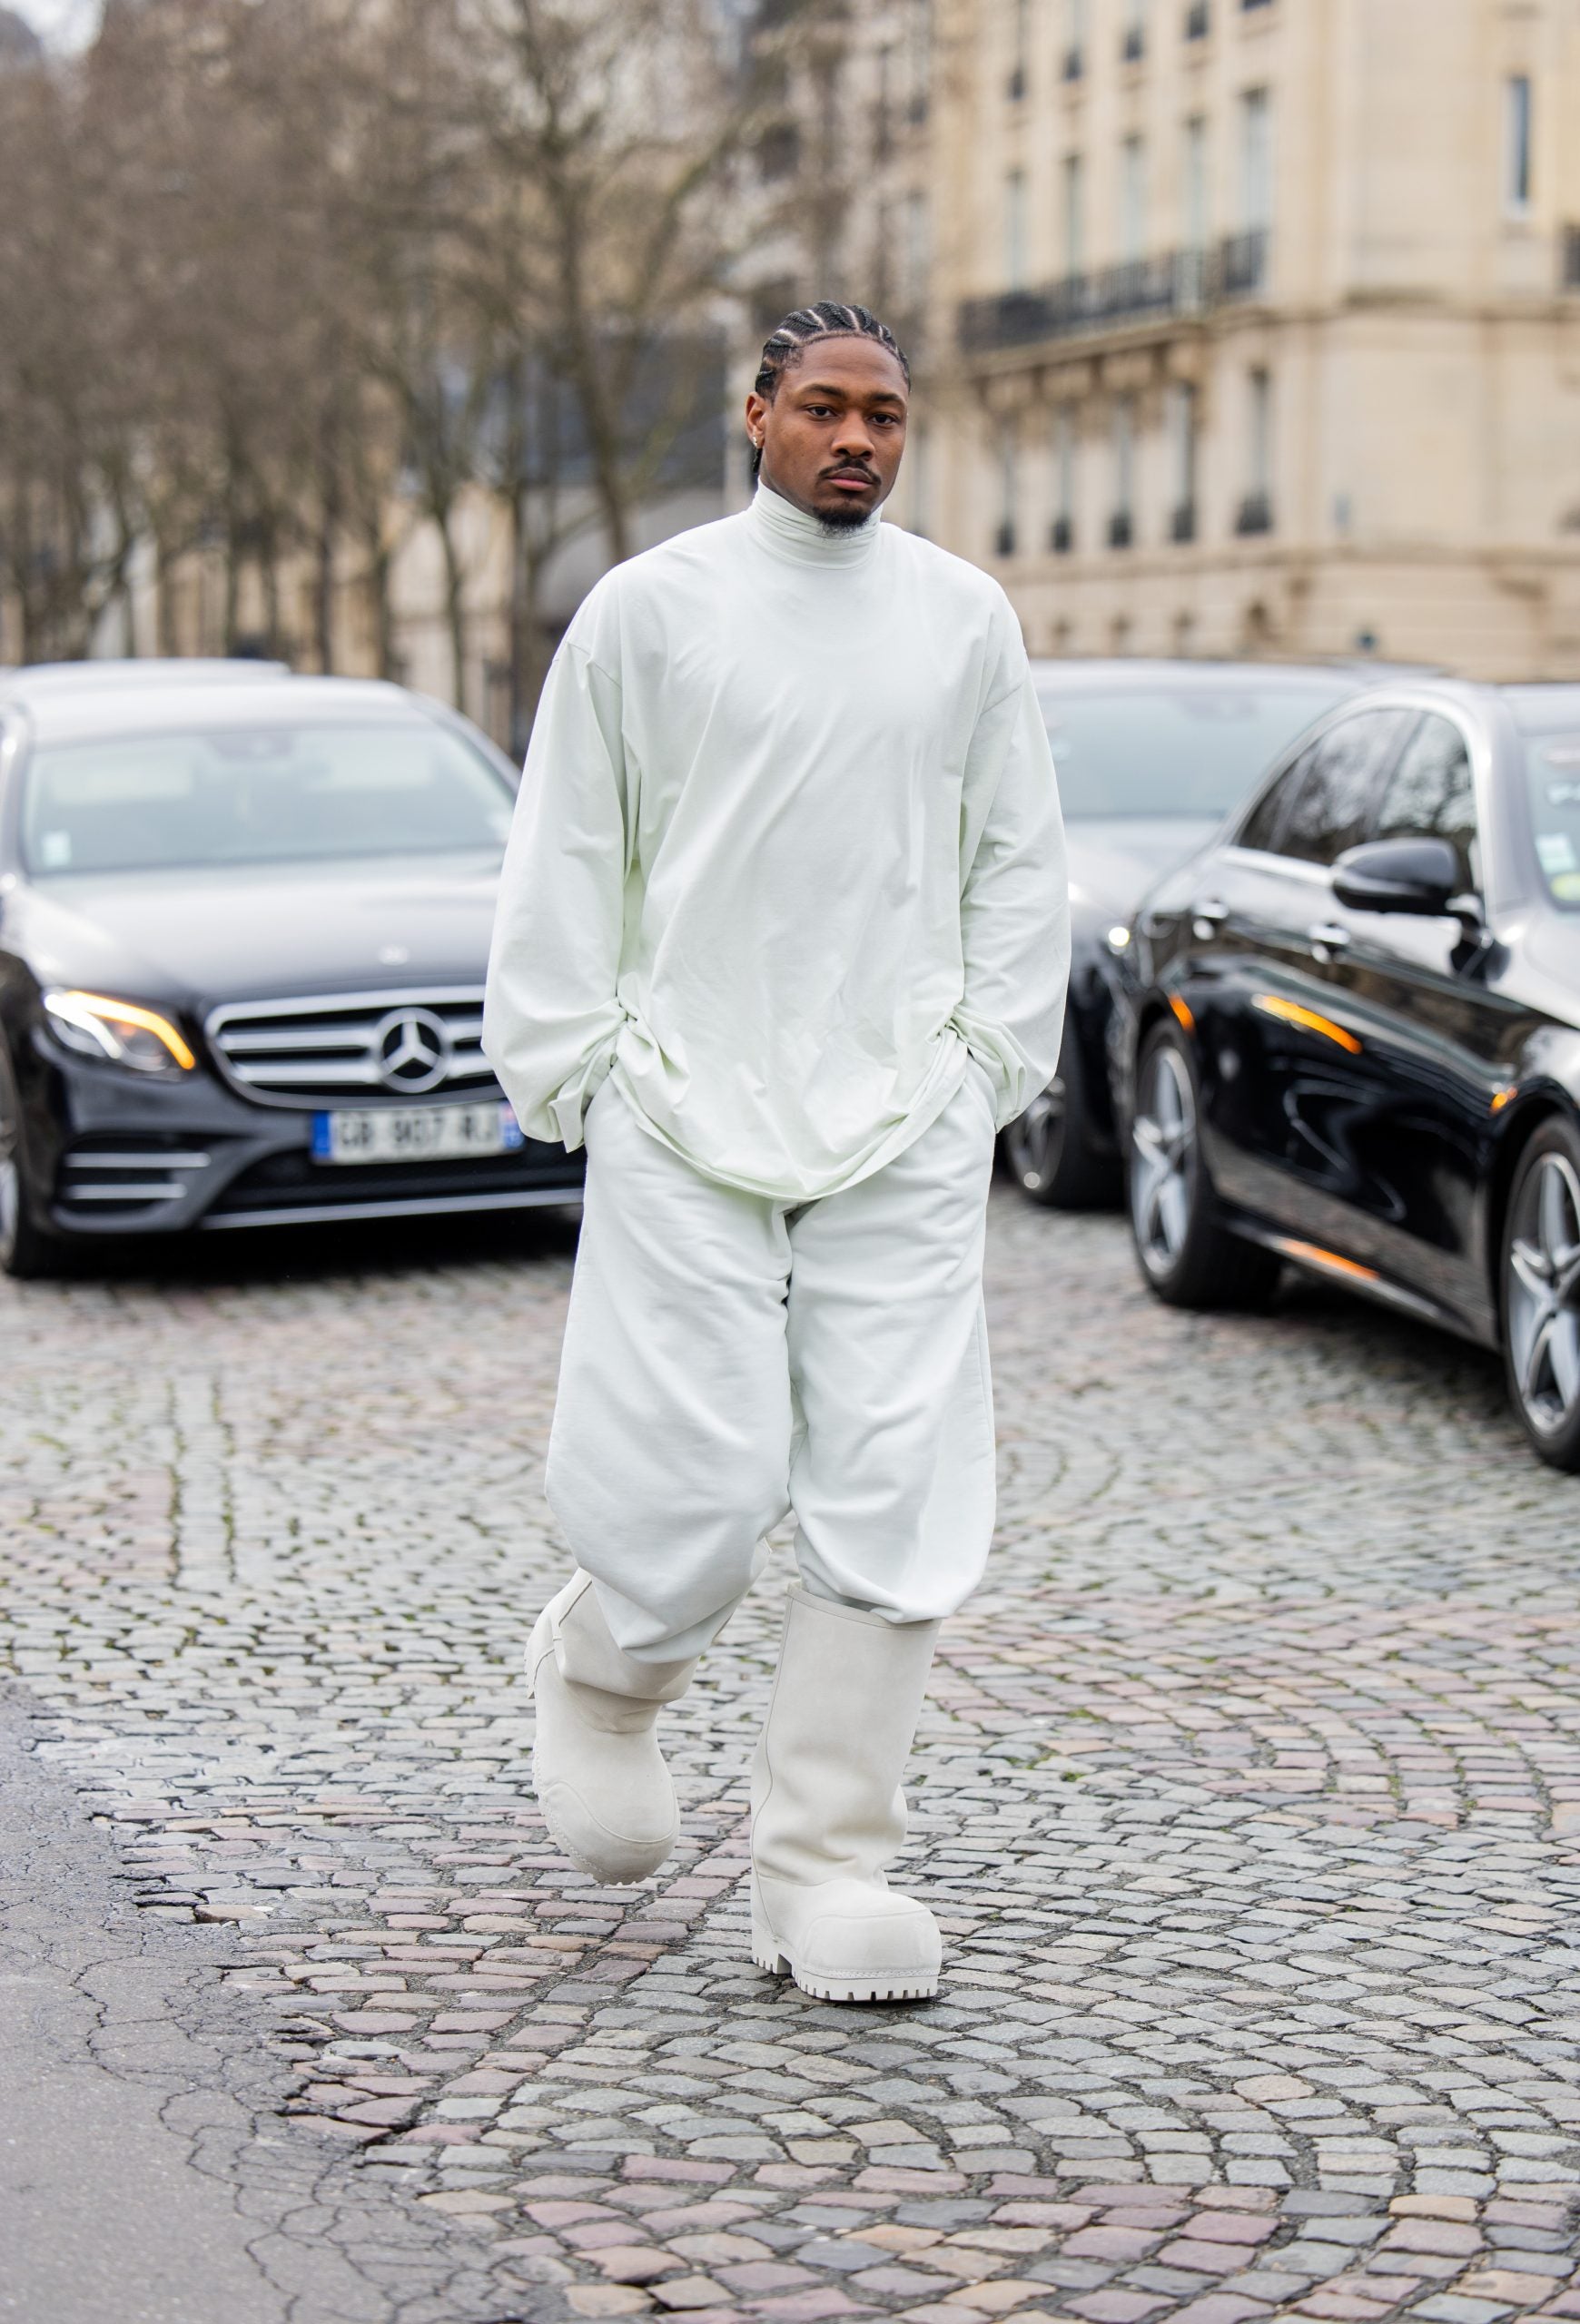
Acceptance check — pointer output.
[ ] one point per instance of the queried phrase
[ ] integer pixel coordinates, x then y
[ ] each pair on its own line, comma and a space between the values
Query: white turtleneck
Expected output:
787, 852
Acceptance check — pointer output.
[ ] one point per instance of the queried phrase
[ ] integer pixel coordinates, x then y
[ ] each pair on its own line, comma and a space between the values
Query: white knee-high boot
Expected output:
828, 1811
606, 1793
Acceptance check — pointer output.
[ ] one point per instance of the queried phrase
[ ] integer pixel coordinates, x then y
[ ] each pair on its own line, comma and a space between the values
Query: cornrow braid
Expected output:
826, 318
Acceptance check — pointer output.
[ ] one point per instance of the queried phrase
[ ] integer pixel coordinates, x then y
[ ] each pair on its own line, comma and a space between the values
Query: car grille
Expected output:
126, 1178
355, 1045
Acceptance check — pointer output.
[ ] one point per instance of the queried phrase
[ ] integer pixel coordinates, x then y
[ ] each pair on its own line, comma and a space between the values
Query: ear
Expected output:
757, 417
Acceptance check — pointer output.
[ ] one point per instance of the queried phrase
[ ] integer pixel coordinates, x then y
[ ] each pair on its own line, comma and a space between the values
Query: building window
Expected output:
1021, 46
1015, 230
1122, 523
913, 253
1194, 221
1133, 38
918, 58
1074, 214
1183, 418
1198, 20
1132, 202
919, 462
1256, 161
1516, 144
1073, 63
779, 152
1009, 491
1062, 538
1256, 510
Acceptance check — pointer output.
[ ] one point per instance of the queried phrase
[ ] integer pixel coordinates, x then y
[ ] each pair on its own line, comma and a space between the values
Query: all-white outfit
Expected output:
784, 932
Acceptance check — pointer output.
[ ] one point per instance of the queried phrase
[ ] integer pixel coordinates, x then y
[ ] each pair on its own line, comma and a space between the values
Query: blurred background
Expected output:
365, 333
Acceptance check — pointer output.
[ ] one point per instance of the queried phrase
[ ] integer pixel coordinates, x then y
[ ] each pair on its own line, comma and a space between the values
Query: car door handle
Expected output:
1326, 938
1208, 918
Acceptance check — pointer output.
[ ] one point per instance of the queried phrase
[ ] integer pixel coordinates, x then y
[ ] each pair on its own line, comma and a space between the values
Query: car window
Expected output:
1431, 795
1175, 750
266, 794
1330, 805
1261, 826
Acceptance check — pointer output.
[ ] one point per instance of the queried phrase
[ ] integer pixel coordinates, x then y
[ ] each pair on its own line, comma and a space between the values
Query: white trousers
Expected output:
728, 1360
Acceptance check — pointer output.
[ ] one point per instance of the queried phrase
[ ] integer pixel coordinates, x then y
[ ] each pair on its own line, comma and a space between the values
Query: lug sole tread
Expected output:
873, 1987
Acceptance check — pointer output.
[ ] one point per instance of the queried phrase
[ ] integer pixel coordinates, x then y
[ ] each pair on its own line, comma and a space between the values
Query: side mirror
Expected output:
1403, 875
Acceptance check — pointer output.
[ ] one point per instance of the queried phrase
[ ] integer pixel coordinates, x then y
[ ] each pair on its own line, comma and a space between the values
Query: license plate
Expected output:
415, 1133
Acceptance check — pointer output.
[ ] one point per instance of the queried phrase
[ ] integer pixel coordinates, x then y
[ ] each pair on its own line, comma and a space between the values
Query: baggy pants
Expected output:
729, 1359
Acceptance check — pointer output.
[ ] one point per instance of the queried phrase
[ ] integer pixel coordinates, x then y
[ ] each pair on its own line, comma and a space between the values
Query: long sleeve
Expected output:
1014, 908
552, 1015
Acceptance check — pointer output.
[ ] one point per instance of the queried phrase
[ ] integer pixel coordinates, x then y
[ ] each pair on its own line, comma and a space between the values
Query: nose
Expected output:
853, 439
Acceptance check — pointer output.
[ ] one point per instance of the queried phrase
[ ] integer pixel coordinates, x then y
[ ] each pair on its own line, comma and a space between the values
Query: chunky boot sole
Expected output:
872, 1984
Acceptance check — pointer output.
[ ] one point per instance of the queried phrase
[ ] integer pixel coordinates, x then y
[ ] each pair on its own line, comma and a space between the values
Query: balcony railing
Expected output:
1255, 514
1178, 284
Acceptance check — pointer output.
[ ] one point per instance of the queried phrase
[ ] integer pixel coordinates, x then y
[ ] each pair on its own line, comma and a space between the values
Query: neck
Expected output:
791, 533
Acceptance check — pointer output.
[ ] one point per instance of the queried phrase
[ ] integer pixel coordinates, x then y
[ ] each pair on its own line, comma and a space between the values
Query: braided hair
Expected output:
826, 318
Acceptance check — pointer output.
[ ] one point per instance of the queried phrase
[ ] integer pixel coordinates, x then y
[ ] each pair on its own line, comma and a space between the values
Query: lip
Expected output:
852, 481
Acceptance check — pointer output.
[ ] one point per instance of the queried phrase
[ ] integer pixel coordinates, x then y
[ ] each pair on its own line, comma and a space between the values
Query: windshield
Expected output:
1553, 784
1190, 750
260, 794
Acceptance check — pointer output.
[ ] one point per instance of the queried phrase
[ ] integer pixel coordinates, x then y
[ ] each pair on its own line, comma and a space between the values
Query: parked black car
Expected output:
1150, 757
1348, 1033
244, 925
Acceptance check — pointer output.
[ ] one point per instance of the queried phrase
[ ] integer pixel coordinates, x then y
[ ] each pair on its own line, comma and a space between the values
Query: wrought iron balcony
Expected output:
1177, 285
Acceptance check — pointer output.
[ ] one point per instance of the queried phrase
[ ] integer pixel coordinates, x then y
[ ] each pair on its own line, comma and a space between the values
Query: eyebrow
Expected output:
826, 388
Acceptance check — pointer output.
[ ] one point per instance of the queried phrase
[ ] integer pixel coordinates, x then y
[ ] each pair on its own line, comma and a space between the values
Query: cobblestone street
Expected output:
1248, 1796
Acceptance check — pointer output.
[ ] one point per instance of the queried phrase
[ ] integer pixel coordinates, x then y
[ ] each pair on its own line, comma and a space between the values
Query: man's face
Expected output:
833, 435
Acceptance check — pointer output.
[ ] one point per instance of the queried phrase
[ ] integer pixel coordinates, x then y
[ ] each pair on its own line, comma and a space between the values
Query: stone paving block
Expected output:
1246, 1793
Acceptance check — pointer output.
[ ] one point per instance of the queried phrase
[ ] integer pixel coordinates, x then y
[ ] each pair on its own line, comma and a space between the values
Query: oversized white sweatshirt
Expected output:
787, 852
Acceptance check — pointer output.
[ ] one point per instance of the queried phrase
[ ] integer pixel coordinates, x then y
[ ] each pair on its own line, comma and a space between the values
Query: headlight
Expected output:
119, 1030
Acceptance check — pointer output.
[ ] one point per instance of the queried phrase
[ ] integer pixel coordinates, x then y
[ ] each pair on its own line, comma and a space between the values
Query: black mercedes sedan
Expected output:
244, 925
1348, 1033
1150, 756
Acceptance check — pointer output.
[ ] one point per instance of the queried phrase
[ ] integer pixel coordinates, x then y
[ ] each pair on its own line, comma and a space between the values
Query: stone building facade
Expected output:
1254, 325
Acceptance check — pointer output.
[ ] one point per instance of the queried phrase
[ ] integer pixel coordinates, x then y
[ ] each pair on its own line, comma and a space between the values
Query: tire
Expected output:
27, 1249
1190, 1259
1539, 1287
1049, 1148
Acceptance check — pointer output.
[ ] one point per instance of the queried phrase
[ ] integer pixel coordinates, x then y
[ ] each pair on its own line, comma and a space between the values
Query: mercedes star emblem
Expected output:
411, 1049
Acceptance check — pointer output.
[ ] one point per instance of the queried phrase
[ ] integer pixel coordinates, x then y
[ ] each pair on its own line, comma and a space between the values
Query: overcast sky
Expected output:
60, 21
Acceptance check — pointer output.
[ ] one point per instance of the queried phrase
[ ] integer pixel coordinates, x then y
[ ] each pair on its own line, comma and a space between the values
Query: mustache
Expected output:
852, 468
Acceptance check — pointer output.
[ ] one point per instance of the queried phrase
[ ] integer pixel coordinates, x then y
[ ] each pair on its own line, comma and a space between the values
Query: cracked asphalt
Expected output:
1249, 1796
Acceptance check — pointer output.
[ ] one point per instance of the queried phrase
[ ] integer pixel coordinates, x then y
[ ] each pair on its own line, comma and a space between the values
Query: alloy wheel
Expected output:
1163, 1159
1543, 1294
1038, 1138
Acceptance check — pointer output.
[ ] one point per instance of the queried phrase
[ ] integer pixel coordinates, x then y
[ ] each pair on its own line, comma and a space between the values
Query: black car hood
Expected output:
1114, 861
263, 932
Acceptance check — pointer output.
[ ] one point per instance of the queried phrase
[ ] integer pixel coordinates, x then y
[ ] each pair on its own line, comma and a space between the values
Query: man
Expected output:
784, 932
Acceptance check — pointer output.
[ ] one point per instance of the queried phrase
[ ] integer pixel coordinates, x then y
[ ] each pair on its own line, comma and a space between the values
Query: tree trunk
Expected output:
455, 611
